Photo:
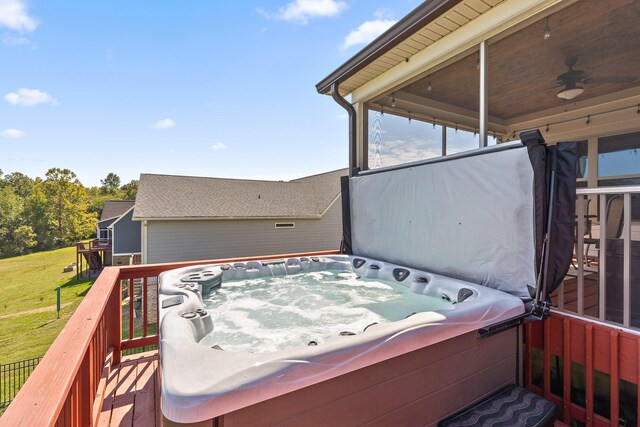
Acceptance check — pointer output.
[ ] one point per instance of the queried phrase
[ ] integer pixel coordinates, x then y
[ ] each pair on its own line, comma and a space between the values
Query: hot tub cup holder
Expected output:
201, 320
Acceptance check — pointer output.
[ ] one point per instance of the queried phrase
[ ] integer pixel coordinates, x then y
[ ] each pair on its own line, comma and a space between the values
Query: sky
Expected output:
187, 87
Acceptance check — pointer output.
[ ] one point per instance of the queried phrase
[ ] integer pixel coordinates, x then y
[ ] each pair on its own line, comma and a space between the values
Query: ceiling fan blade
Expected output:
611, 79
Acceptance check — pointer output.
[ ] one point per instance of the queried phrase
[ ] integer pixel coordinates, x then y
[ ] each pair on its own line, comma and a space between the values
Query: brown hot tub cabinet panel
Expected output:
417, 388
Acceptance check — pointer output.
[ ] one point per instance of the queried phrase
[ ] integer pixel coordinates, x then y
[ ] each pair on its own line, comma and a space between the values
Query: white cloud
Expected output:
14, 15
366, 32
12, 133
383, 13
18, 41
29, 97
164, 124
301, 11
218, 146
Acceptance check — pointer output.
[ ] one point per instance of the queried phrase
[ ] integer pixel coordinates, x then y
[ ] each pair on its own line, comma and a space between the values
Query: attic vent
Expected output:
285, 225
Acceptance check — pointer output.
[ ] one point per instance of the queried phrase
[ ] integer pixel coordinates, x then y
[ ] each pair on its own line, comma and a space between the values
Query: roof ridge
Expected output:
216, 177
318, 174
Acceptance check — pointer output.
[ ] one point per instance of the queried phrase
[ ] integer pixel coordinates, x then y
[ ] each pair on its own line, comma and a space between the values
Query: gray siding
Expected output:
198, 240
126, 235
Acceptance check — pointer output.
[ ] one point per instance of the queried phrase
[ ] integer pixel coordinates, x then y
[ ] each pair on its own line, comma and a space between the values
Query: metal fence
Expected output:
12, 376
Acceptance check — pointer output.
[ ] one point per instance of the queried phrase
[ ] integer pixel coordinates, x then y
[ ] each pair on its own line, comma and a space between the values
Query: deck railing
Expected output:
589, 369
118, 314
605, 277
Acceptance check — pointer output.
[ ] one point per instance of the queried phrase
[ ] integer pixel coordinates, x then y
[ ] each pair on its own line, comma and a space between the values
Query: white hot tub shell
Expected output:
201, 383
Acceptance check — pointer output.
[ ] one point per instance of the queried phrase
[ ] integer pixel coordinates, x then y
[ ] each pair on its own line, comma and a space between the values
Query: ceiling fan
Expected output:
572, 80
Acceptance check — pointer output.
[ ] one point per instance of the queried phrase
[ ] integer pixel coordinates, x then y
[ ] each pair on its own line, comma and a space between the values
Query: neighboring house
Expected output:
126, 244
194, 218
117, 233
111, 211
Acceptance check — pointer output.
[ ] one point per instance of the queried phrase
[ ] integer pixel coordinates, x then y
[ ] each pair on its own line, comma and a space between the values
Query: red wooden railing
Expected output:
67, 387
595, 348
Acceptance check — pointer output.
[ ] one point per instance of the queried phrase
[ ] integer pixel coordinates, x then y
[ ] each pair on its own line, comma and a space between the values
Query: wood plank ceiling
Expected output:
450, 21
603, 37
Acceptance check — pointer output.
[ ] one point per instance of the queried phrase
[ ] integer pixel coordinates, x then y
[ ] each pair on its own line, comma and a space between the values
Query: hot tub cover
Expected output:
480, 216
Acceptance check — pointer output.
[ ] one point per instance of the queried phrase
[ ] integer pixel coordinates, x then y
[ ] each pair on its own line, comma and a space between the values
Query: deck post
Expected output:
114, 321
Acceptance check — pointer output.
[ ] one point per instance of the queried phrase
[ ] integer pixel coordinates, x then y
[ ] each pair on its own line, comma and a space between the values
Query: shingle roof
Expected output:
115, 208
171, 197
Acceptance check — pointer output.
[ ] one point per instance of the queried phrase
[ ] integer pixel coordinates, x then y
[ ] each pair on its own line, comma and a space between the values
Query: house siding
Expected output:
126, 235
192, 240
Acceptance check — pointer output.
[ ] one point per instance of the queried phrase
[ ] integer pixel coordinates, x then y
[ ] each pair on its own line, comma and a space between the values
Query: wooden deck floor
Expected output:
571, 294
132, 395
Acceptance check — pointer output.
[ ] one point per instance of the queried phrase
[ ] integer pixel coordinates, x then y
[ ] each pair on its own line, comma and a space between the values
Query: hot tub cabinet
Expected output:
426, 384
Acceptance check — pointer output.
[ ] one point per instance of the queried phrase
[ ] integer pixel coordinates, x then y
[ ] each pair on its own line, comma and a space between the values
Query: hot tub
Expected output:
402, 335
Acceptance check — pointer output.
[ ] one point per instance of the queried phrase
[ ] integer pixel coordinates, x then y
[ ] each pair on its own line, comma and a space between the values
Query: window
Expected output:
104, 234
619, 155
285, 225
395, 140
461, 140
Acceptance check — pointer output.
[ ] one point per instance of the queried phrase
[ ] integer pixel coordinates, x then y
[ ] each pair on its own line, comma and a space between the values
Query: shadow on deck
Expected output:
132, 395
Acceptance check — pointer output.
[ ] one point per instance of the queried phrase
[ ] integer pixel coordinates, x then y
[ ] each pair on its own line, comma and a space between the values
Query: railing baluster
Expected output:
638, 381
602, 298
626, 292
145, 307
566, 383
546, 363
588, 372
131, 302
580, 253
614, 390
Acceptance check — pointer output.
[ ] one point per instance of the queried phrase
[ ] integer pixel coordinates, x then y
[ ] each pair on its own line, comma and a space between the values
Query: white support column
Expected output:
484, 93
143, 231
626, 281
602, 265
592, 163
444, 140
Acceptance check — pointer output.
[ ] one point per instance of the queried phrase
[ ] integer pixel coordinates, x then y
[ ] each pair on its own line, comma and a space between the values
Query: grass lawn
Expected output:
29, 283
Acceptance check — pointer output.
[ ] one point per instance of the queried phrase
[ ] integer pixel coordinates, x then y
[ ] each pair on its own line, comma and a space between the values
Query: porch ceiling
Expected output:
603, 37
449, 21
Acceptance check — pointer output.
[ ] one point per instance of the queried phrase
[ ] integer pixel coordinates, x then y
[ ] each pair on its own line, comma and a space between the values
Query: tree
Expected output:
15, 237
38, 215
130, 190
21, 184
67, 199
110, 184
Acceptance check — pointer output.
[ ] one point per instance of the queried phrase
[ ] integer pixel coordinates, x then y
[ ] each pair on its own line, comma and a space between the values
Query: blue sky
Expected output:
209, 88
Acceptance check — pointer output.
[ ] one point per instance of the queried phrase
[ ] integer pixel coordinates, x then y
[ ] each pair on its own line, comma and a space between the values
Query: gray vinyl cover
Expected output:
469, 218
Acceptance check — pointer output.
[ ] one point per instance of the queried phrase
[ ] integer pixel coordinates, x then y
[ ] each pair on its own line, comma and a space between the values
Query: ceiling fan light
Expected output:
569, 94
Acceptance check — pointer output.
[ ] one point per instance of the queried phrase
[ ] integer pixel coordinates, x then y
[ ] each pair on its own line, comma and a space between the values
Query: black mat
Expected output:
512, 406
